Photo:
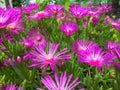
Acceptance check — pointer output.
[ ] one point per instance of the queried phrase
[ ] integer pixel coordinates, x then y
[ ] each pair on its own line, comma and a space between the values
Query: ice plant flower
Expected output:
116, 25
69, 28
30, 7
42, 58
60, 83
55, 8
81, 46
78, 11
40, 15
93, 12
95, 20
11, 87
96, 57
5, 16
117, 51
8, 61
111, 45
11, 19
104, 8
17, 26
90, 4
108, 20
34, 38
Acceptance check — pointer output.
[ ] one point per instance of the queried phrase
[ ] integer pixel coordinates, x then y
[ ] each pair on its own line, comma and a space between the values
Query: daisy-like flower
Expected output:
69, 28
40, 15
34, 38
110, 46
5, 16
93, 12
116, 25
104, 8
55, 8
42, 58
96, 57
117, 51
12, 20
8, 61
90, 4
95, 20
17, 26
81, 46
78, 11
108, 20
60, 83
11, 87
30, 7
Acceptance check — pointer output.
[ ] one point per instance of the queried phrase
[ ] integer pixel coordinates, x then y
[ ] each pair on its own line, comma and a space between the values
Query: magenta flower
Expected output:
17, 26
11, 87
12, 20
95, 20
108, 20
42, 58
30, 7
8, 61
117, 51
78, 11
40, 15
111, 45
69, 28
34, 38
96, 57
8, 37
93, 12
81, 46
5, 16
60, 83
55, 8
90, 4
104, 8
116, 25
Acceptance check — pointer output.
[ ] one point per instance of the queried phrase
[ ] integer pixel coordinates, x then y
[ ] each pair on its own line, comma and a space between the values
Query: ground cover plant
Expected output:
52, 47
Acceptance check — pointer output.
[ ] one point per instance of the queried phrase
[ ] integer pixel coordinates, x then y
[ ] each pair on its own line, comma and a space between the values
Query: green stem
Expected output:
5, 43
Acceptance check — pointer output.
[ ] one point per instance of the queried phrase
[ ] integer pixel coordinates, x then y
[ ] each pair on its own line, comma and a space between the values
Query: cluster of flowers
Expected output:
43, 52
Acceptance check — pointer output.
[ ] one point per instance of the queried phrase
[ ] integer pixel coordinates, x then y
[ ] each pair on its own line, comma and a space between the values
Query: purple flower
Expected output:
78, 11
115, 24
117, 65
11, 87
42, 58
5, 16
93, 12
34, 38
8, 61
96, 57
69, 28
81, 46
12, 20
55, 8
104, 8
60, 83
90, 4
40, 15
111, 45
30, 7
95, 20
117, 52
17, 26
